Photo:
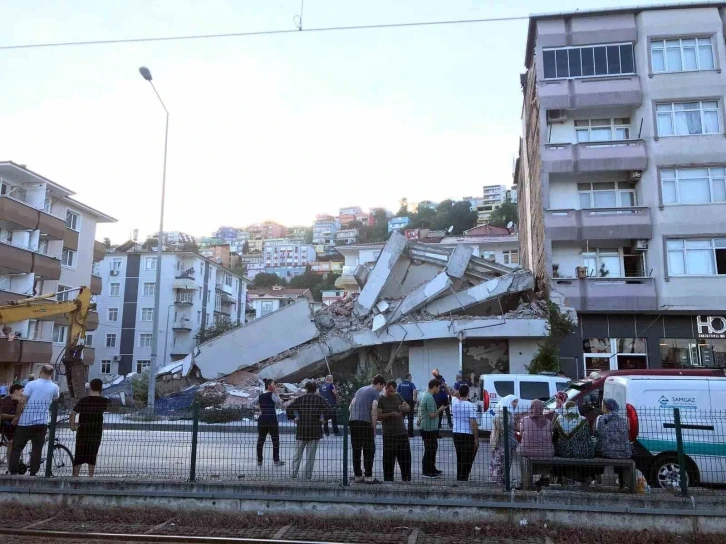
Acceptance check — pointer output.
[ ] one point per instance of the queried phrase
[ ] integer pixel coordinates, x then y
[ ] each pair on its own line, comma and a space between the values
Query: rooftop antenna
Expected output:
450, 229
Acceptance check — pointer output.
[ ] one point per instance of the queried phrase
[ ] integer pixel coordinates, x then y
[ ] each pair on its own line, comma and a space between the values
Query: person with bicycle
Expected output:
88, 428
32, 420
8, 409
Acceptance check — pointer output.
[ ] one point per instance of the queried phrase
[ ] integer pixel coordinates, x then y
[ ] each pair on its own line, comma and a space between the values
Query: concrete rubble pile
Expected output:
413, 293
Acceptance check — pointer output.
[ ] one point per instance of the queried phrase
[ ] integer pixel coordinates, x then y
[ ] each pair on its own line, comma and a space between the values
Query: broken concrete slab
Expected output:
459, 260
509, 284
381, 273
258, 340
420, 297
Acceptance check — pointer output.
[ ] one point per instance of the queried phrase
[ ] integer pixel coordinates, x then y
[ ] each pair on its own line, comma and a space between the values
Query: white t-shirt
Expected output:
41, 393
463, 412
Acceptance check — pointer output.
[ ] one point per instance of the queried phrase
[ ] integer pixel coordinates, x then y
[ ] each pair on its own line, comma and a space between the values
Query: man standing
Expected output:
442, 398
8, 411
32, 419
408, 392
363, 419
328, 392
310, 408
267, 422
89, 428
428, 417
466, 434
391, 408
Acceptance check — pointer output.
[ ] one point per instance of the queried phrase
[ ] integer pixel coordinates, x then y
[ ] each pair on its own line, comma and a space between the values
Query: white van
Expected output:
526, 387
648, 403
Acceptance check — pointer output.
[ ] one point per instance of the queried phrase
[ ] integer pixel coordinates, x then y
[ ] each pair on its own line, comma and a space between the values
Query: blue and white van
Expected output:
648, 403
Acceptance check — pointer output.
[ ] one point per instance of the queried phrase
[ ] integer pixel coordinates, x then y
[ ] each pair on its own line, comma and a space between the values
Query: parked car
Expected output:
648, 402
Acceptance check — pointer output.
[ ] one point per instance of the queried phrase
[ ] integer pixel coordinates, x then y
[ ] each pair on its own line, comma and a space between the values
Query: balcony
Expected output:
596, 92
189, 273
9, 296
92, 321
71, 239
96, 285
47, 267
617, 156
599, 224
224, 288
181, 347
25, 351
608, 294
184, 299
182, 325
99, 251
89, 356
18, 215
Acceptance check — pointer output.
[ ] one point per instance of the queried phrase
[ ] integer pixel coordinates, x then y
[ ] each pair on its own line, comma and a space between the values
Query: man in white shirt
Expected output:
32, 419
466, 434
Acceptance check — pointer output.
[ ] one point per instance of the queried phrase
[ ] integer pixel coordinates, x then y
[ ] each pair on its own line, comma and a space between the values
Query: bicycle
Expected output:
62, 457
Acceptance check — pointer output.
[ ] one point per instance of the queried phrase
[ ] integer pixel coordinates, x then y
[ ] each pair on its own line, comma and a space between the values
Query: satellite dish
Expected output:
450, 229
510, 224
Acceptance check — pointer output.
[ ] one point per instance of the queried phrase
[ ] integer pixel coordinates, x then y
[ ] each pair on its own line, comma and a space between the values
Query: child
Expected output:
89, 428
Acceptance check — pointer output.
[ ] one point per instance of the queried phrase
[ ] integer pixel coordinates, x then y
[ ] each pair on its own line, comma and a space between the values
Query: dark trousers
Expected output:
448, 415
362, 441
273, 429
334, 419
465, 453
410, 415
396, 448
35, 434
431, 446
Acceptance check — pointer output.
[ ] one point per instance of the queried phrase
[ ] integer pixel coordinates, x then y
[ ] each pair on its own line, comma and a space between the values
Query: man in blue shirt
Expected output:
328, 392
407, 390
442, 398
3, 389
459, 382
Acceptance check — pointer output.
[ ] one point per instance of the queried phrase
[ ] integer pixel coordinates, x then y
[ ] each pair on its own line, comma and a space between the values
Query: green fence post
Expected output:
683, 474
51, 439
344, 416
195, 440
507, 453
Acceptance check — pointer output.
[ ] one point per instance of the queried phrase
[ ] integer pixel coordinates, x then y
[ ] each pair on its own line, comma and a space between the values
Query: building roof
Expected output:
490, 230
101, 217
21, 168
479, 239
531, 34
279, 292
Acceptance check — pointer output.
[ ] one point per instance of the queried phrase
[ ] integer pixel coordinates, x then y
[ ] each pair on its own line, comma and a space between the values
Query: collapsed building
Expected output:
420, 307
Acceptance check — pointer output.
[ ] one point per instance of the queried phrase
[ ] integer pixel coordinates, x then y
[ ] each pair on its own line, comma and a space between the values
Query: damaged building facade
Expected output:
420, 307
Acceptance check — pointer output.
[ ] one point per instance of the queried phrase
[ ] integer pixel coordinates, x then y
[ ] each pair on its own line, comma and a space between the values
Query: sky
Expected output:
277, 127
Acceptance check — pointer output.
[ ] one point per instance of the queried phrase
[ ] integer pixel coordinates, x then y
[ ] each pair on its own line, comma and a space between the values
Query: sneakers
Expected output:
434, 475
359, 479
279, 463
437, 471
372, 481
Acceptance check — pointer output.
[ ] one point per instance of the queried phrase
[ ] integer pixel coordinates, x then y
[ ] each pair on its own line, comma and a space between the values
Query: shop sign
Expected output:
711, 326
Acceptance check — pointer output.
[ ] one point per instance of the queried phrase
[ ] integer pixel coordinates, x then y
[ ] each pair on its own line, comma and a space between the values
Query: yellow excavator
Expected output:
44, 306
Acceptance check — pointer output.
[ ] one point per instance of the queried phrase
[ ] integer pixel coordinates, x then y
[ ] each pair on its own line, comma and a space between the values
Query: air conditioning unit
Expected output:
116, 358
639, 245
556, 116
635, 175
114, 272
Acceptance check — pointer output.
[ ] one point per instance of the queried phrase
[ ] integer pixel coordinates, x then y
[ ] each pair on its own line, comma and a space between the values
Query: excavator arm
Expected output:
46, 306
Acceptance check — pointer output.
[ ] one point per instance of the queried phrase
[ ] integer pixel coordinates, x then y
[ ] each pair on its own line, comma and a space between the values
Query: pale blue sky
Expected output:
268, 127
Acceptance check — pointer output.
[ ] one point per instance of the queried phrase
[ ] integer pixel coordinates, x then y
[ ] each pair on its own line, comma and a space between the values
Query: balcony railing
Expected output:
608, 294
182, 325
184, 298
622, 90
627, 223
610, 156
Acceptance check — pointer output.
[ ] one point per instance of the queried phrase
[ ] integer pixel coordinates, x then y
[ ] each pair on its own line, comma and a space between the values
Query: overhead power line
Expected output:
260, 33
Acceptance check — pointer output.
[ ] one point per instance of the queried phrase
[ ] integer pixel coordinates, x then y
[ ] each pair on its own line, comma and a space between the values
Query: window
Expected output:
68, 258
114, 289
150, 263
682, 55
696, 257
89, 340
147, 314
266, 308
603, 130
602, 263
511, 256
149, 289
504, 388
63, 293
142, 364
611, 194
228, 280
105, 366
689, 352
113, 314
489, 255
693, 185
600, 60
688, 118
534, 390
145, 340
199, 317
59, 334
110, 340
217, 302
73, 220
116, 265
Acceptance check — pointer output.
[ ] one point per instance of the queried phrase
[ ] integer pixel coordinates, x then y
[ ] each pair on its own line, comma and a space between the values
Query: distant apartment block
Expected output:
324, 230
398, 223
346, 236
287, 259
268, 300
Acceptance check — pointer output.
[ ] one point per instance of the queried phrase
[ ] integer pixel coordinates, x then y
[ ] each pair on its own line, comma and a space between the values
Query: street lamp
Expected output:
146, 74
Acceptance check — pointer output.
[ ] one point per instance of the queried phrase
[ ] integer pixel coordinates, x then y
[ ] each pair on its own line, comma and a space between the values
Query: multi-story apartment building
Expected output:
349, 215
493, 197
195, 293
398, 223
287, 259
47, 245
621, 180
346, 236
268, 300
324, 231
219, 253
297, 234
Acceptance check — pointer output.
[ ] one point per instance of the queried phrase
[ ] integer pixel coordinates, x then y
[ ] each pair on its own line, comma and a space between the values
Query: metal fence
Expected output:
676, 449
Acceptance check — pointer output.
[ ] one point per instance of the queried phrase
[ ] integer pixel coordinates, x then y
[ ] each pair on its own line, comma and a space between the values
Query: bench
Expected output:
534, 465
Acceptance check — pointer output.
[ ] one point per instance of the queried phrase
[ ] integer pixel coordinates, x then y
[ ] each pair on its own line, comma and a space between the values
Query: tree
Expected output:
454, 214
245, 248
240, 270
504, 214
264, 279
219, 328
403, 210
107, 243
308, 236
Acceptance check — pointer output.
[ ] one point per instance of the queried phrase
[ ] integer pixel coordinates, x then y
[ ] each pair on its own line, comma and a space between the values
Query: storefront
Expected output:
637, 341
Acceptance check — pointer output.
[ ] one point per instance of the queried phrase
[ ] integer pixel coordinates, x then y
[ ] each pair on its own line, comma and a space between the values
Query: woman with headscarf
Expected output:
496, 465
573, 441
613, 440
536, 441
560, 400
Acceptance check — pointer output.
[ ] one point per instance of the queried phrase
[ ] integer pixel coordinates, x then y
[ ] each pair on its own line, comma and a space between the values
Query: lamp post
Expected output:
146, 74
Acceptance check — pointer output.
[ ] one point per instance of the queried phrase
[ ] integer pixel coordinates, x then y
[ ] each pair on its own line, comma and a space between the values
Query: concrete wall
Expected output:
521, 352
442, 354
